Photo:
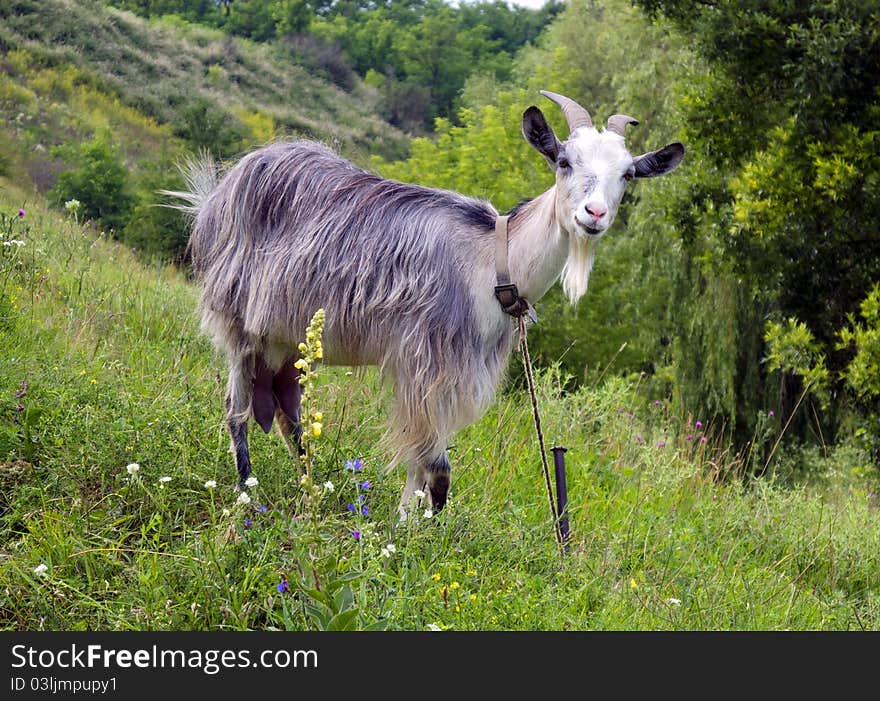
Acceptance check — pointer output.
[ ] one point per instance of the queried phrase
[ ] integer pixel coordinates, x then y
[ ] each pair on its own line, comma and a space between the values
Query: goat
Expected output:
406, 275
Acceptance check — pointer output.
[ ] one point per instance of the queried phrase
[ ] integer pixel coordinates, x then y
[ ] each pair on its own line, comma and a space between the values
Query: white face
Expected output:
592, 170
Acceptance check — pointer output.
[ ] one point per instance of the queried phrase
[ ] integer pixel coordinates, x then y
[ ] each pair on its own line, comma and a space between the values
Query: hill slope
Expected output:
118, 509
86, 91
162, 68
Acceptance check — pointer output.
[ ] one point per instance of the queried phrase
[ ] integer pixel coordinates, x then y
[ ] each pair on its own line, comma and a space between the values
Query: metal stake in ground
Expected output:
561, 493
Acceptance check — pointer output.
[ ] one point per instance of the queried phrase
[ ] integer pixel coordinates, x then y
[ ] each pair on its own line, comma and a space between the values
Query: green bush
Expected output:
98, 179
206, 127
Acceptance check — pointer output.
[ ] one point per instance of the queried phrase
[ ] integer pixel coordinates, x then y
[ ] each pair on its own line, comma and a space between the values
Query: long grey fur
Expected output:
293, 227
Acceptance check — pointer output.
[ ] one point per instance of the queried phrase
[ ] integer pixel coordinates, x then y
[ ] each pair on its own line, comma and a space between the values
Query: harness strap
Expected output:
506, 291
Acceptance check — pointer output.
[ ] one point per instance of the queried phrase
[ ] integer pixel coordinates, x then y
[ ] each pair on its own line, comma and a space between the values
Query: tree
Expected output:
779, 215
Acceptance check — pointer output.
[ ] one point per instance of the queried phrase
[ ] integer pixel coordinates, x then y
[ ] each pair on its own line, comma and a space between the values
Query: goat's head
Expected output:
592, 167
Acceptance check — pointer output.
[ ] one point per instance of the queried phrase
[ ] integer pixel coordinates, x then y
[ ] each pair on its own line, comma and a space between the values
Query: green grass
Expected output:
103, 365
69, 69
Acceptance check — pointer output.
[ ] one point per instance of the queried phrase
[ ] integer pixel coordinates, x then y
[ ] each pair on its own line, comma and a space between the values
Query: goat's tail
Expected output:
200, 174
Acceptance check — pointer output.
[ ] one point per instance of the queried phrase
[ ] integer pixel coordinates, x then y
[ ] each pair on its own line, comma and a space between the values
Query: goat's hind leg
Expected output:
288, 393
238, 410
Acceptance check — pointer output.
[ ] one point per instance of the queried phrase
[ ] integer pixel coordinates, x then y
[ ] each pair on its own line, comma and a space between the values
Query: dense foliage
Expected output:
778, 214
416, 53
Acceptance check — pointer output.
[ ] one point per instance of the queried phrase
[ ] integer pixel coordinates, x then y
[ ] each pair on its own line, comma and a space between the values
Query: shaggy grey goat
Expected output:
406, 275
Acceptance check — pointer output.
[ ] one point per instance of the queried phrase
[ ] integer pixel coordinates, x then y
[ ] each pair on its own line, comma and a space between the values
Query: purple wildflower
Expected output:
365, 485
354, 465
283, 586
698, 424
247, 522
261, 509
351, 507
656, 402
355, 534
690, 437
21, 212
770, 413
702, 439
661, 444
365, 511
639, 438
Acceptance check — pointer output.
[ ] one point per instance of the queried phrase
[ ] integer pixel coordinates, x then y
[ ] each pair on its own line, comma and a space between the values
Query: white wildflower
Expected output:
210, 484
41, 570
225, 512
251, 482
132, 468
165, 479
434, 626
243, 498
419, 493
428, 513
328, 486
674, 601
391, 548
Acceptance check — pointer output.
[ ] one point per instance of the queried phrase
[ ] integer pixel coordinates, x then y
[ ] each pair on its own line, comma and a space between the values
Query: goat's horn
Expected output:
618, 122
575, 115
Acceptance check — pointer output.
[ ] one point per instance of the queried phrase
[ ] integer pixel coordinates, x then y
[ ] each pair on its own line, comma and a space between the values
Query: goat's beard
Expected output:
576, 271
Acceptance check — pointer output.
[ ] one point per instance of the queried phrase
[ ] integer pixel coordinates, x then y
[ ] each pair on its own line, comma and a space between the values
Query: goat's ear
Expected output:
659, 162
539, 134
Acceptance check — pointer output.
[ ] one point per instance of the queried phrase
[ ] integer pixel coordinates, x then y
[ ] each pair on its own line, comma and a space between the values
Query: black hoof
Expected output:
439, 490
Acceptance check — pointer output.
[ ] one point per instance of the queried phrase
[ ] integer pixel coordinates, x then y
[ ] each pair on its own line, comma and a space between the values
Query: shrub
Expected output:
98, 178
206, 127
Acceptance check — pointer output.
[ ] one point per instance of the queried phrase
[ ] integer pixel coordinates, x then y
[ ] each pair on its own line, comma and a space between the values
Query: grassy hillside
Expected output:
103, 368
69, 69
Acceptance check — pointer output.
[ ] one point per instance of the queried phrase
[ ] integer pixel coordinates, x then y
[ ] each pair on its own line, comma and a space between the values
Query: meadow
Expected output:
119, 511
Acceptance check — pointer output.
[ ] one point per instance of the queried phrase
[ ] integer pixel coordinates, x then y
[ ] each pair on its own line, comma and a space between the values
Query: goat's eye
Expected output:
629, 175
563, 162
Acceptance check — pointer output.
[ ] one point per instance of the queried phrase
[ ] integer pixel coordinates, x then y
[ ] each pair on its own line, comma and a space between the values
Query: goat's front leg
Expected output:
438, 473
434, 478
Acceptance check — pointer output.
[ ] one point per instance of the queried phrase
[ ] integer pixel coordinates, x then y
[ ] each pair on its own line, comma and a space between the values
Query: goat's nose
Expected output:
595, 210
